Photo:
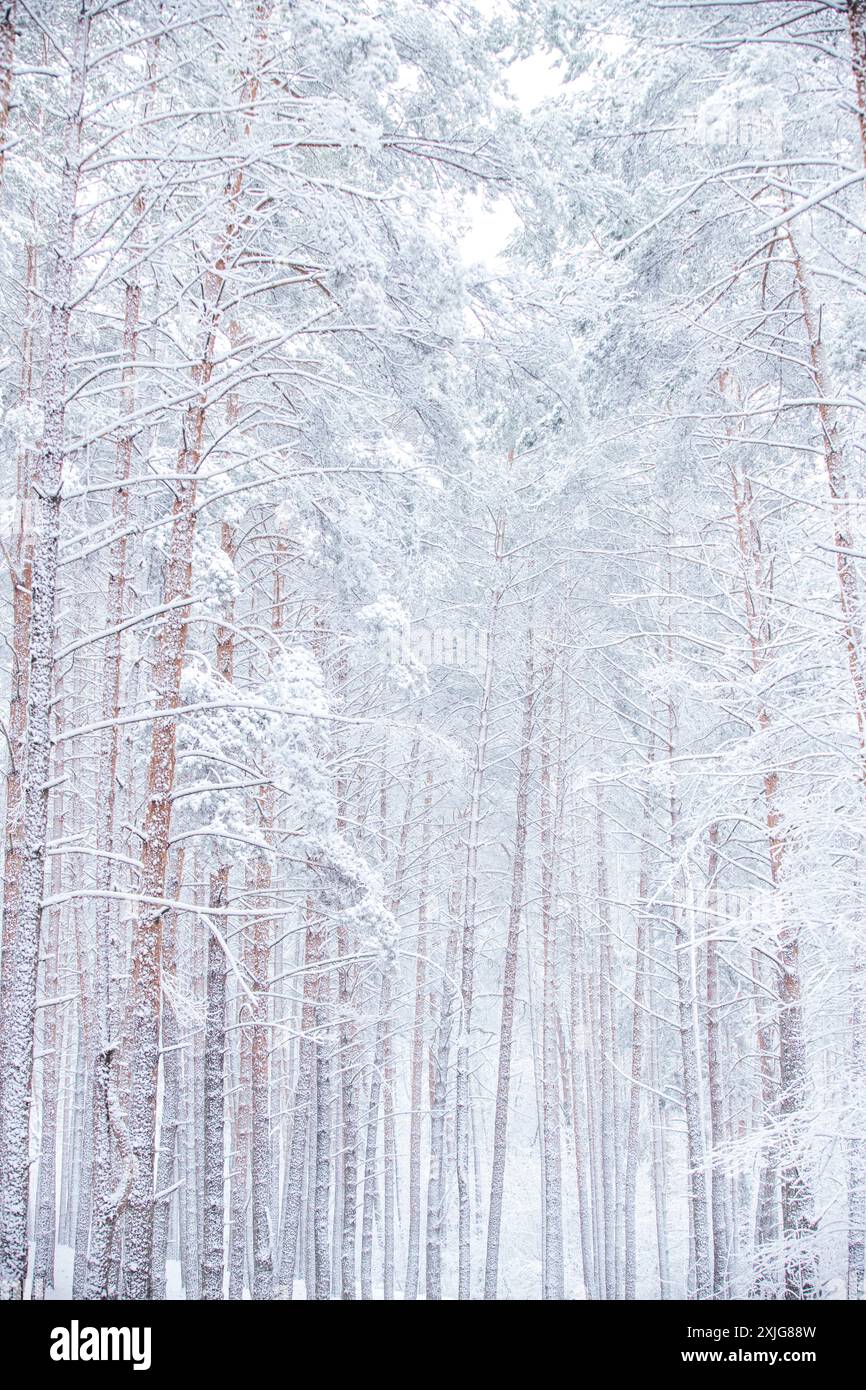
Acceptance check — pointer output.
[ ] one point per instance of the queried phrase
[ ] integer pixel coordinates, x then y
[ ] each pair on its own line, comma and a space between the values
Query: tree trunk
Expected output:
509, 984
857, 30
637, 1050
606, 1037
7, 54
300, 1109
553, 1277
718, 1202
436, 1176
467, 968
323, 1142
21, 954
214, 1098
683, 955
167, 1164
797, 1199
413, 1258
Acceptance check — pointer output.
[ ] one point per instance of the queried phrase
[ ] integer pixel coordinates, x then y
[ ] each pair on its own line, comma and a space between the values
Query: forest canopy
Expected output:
433, 673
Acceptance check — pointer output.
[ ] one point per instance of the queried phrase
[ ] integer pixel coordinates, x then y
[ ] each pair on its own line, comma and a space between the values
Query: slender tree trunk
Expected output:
683, 949
855, 1148
554, 1274
167, 1164
370, 1151
413, 1258
389, 1165
21, 954
323, 1142
509, 984
263, 1273
467, 971
7, 54
21, 582
83, 1129
214, 1099
43, 1259
240, 1157
797, 1198
579, 1109
838, 489
691, 1082
436, 1177
856, 10
105, 1208
300, 1108
637, 1051
659, 1161
718, 1201
767, 1208
606, 1037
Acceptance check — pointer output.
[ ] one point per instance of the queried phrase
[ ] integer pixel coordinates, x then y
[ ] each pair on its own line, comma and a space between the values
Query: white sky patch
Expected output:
532, 79
489, 231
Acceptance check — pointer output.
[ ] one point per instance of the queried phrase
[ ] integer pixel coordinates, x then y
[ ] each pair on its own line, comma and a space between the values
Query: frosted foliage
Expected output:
433, 684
